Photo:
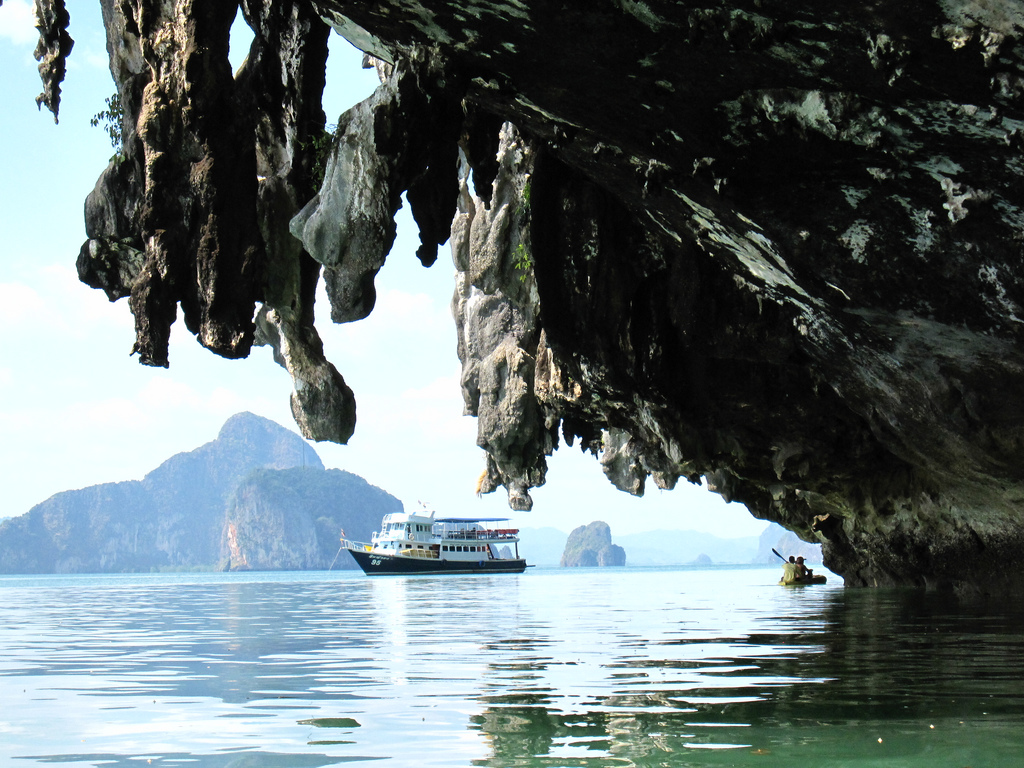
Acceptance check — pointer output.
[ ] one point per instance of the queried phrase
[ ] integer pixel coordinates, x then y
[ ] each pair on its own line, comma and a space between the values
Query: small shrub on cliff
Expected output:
523, 261
524, 203
319, 145
112, 120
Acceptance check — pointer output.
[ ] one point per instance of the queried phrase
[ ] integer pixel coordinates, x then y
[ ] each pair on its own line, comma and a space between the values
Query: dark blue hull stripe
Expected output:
375, 564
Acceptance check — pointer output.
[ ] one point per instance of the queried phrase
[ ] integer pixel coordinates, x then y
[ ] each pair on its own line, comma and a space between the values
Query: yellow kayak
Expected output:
803, 582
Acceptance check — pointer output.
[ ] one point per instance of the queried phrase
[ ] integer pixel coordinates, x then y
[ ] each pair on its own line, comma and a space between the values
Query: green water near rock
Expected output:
574, 667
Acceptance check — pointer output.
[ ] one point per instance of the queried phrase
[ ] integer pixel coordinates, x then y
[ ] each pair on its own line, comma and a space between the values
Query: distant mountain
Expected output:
293, 519
786, 543
683, 547
258, 480
591, 545
545, 546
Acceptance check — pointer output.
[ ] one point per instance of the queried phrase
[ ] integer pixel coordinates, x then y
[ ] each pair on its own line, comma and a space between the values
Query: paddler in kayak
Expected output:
803, 573
789, 571
795, 572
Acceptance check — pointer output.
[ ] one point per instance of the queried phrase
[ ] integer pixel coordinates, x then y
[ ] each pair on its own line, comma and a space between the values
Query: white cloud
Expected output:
54, 304
72, 418
89, 417
89, 61
18, 22
439, 390
414, 320
20, 303
227, 401
399, 307
84, 310
425, 415
163, 391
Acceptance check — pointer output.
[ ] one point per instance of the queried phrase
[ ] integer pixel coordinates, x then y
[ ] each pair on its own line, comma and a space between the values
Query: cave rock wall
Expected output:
777, 246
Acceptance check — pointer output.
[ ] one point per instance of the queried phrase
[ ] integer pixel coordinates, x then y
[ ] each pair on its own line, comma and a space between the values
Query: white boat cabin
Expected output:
405, 534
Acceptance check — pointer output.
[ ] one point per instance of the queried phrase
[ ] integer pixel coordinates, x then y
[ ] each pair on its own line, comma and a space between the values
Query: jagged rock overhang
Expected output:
797, 230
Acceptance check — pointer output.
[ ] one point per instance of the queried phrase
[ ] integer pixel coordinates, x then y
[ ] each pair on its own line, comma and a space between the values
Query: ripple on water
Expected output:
587, 667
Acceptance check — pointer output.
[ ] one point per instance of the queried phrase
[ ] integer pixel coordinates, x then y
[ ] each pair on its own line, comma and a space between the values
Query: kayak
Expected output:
804, 582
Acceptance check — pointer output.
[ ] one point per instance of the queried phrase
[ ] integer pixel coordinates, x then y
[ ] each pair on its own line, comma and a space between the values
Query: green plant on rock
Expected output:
112, 121
523, 260
523, 208
319, 145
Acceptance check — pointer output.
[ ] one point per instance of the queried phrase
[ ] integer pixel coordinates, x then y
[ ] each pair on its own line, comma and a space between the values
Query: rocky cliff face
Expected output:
591, 545
257, 497
293, 519
777, 245
777, 539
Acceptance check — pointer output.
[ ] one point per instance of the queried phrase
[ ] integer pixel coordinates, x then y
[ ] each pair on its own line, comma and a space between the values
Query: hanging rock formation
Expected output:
775, 245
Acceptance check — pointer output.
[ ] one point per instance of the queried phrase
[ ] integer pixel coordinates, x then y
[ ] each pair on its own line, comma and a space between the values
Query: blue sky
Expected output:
76, 409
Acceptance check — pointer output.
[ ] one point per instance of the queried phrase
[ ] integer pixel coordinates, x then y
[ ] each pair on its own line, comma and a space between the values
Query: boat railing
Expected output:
497, 534
357, 545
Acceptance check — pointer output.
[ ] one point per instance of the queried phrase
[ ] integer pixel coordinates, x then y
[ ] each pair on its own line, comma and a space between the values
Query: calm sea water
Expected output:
556, 667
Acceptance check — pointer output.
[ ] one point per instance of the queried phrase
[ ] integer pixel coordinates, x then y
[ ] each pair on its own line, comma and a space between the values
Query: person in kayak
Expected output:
803, 573
790, 571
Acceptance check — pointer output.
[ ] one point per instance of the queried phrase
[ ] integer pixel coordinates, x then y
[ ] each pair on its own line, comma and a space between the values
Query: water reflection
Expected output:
844, 677
599, 667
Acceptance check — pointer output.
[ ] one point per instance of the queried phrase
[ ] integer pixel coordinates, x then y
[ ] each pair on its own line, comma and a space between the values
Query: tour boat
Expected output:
422, 543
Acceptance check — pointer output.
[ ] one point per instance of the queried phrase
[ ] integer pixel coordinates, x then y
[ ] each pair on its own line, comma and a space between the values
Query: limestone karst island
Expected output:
255, 498
773, 245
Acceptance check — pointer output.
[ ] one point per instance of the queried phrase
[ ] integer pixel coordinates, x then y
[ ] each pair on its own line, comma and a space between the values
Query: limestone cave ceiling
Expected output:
772, 243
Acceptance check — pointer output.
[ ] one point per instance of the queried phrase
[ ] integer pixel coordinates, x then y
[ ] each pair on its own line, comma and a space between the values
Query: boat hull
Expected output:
377, 564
